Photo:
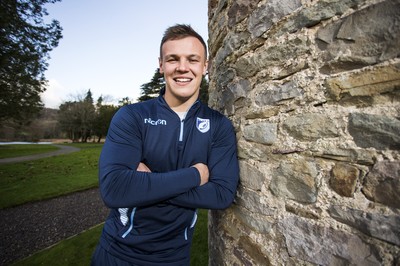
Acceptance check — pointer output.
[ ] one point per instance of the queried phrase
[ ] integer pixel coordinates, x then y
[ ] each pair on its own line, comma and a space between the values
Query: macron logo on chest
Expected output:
155, 122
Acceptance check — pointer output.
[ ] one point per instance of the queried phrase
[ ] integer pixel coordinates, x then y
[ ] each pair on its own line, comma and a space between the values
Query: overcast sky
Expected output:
112, 47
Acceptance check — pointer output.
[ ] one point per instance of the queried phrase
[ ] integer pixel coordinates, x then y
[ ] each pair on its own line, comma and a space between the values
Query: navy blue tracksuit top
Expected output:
152, 215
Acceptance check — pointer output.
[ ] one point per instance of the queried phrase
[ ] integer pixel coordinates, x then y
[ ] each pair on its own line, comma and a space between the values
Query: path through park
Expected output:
31, 227
63, 149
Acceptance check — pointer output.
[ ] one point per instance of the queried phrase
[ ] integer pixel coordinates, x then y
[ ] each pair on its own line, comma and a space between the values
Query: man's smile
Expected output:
182, 80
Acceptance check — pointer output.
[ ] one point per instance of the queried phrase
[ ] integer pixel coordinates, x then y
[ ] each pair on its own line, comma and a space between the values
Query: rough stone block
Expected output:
268, 14
377, 131
382, 184
295, 180
344, 179
324, 245
275, 94
367, 82
310, 126
263, 132
354, 42
384, 227
250, 176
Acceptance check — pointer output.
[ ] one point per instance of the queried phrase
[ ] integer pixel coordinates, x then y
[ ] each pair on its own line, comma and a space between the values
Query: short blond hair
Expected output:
180, 31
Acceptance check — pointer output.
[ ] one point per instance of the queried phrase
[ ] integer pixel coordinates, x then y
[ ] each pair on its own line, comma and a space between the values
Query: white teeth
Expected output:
183, 80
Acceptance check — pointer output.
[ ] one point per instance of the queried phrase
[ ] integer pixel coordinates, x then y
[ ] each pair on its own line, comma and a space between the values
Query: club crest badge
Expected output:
203, 125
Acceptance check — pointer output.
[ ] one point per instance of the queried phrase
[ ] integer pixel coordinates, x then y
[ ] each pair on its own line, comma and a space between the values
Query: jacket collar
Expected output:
161, 99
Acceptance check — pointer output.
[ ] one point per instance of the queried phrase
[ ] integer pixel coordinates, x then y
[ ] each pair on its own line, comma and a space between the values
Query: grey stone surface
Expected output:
344, 179
354, 42
263, 17
263, 132
377, 131
323, 245
313, 90
311, 126
382, 184
275, 94
384, 227
295, 180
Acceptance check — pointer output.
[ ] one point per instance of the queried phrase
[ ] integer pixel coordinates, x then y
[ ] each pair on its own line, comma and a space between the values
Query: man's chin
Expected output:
184, 92
184, 98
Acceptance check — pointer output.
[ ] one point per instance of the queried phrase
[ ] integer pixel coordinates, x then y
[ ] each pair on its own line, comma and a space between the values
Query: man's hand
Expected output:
143, 168
201, 167
203, 170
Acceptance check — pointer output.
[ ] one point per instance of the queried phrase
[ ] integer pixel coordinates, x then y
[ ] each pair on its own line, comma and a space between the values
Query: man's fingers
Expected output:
143, 168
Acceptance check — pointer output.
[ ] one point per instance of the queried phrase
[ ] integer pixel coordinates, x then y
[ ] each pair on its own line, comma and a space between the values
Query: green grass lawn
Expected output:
50, 177
16, 150
79, 249
72, 251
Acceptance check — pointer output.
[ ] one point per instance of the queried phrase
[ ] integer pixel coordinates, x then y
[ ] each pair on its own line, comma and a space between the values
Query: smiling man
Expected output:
162, 160
183, 63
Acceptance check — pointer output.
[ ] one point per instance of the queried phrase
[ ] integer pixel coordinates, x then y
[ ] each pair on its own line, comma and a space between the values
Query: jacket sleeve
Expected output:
120, 184
223, 165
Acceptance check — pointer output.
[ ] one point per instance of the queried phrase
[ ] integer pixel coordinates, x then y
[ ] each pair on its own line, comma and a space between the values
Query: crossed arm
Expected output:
199, 186
125, 181
201, 167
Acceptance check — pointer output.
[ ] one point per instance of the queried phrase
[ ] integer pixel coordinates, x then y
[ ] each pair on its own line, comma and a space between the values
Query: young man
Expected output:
163, 159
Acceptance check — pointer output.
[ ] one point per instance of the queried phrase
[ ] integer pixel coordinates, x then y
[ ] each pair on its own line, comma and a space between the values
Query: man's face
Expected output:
183, 64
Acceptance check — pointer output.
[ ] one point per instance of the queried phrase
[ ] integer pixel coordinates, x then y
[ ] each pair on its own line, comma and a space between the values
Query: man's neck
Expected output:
179, 105
182, 107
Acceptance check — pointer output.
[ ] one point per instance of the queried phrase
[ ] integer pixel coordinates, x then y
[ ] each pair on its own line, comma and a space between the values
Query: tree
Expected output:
124, 101
77, 118
204, 91
25, 45
152, 89
68, 119
87, 116
104, 114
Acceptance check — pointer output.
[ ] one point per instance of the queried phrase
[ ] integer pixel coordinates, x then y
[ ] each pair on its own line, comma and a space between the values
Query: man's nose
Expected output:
182, 65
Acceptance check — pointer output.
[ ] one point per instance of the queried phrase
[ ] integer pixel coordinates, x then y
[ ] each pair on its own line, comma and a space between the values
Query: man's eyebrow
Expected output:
171, 56
177, 56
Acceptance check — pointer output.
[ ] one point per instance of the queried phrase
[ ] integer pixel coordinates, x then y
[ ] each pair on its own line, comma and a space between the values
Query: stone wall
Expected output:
313, 90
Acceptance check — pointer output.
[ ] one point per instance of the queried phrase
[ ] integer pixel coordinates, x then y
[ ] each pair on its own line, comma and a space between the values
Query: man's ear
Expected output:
160, 66
205, 71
